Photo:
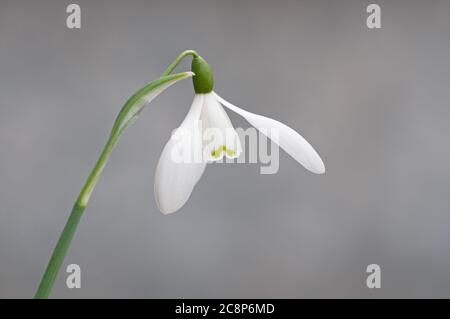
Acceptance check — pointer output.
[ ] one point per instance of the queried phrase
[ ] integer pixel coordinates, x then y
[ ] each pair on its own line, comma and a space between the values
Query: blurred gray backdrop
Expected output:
374, 103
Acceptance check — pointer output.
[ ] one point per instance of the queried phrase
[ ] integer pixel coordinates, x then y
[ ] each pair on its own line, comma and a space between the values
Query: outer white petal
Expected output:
219, 136
174, 178
288, 139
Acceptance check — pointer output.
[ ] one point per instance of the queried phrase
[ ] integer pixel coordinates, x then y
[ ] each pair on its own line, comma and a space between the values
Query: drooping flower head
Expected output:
206, 135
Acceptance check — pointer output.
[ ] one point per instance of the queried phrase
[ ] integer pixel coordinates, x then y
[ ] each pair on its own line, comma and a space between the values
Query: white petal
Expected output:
288, 139
220, 137
175, 178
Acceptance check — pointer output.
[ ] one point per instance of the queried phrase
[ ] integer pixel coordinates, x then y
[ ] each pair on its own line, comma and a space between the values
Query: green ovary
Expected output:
217, 152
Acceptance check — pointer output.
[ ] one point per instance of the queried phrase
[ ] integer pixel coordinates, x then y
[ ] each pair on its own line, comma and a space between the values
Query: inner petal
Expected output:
219, 136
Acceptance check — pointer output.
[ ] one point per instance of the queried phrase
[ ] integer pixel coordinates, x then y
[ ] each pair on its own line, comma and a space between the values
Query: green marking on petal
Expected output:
231, 152
215, 154
222, 148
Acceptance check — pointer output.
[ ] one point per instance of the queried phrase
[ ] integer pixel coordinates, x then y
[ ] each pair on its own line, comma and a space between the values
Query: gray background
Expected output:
374, 103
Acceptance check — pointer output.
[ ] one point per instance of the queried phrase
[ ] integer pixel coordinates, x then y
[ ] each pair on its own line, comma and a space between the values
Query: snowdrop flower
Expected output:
175, 179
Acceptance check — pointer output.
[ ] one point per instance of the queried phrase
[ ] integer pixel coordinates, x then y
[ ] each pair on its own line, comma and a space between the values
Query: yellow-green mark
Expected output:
216, 153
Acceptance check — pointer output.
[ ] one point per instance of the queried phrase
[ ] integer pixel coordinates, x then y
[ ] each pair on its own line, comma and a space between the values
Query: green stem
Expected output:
179, 58
126, 116
59, 253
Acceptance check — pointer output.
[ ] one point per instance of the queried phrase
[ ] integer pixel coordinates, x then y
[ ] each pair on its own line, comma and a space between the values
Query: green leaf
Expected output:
136, 103
127, 116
